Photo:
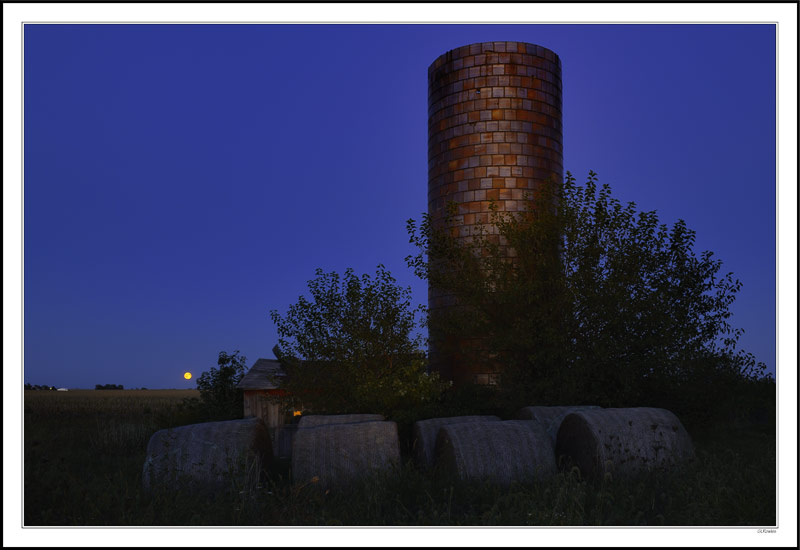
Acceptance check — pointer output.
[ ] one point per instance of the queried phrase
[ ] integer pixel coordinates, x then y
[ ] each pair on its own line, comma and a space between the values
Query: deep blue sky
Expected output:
180, 181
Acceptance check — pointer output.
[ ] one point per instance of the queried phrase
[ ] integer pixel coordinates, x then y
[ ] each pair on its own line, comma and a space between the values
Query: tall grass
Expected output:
84, 453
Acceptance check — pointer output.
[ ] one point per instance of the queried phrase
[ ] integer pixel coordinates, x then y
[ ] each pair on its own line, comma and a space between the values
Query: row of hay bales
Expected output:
626, 441
335, 450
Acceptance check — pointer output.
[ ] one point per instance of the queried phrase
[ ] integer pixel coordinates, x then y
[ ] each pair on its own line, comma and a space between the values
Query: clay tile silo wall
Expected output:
494, 135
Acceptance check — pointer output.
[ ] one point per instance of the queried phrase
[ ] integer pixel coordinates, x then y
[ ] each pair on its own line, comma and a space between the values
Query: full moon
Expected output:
187, 375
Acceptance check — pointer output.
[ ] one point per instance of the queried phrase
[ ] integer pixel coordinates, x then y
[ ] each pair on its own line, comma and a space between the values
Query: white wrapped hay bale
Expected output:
314, 420
628, 440
502, 452
211, 455
337, 454
425, 432
550, 417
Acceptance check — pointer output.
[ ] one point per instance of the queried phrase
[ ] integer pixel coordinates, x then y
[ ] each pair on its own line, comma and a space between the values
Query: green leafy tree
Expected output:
351, 346
582, 299
219, 397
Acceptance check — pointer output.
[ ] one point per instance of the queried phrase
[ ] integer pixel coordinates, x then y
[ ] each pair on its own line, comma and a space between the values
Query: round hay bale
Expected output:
315, 420
338, 454
500, 452
550, 417
209, 456
425, 432
629, 440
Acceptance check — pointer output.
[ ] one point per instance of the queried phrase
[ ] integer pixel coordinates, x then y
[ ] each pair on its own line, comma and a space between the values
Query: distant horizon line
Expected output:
123, 389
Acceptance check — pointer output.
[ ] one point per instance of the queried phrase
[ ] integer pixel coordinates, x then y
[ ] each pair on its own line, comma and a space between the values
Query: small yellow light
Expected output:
298, 413
187, 375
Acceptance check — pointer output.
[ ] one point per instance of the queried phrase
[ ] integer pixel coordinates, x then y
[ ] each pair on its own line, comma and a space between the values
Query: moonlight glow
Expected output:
187, 375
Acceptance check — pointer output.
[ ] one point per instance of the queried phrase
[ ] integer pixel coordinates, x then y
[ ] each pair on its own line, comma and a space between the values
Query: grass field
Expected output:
84, 452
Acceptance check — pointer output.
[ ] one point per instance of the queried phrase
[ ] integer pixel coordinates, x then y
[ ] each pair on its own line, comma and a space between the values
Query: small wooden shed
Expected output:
261, 400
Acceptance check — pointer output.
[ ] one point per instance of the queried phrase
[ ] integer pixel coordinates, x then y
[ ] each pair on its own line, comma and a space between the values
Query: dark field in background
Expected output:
84, 452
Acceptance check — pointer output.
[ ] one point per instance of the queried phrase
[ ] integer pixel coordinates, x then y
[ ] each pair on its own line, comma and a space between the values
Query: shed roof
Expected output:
260, 374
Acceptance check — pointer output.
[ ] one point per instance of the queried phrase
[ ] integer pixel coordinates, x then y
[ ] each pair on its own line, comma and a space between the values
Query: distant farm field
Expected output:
105, 400
84, 452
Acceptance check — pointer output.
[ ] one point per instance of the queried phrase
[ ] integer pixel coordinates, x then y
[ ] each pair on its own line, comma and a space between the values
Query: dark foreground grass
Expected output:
84, 456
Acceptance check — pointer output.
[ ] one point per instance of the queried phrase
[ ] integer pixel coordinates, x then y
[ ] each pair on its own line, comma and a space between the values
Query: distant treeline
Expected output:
39, 387
108, 387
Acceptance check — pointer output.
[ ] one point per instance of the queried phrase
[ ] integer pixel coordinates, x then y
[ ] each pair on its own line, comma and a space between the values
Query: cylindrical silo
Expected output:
494, 135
